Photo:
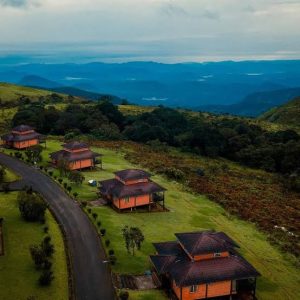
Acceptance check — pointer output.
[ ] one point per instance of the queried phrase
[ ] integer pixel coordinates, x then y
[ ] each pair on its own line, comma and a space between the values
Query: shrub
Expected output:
89, 210
46, 229
55, 177
75, 194
46, 278
124, 295
95, 216
111, 252
84, 203
99, 224
65, 185
38, 255
50, 173
102, 231
107, 243
47, 247
47, 265
32, 207
60, 180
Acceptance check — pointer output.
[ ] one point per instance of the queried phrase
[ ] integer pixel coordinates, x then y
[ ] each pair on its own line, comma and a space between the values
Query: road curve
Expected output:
92, 279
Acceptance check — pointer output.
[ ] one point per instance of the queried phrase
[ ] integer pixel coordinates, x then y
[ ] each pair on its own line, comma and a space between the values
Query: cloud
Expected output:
170, 8
19, 3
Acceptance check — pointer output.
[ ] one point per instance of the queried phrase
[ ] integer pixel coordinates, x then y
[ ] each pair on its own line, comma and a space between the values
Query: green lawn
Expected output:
188, 212
18, 277
10, 176
147, 295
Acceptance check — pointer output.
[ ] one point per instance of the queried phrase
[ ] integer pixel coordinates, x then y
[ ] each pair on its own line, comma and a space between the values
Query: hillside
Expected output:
10, 94
255, 104
288, 114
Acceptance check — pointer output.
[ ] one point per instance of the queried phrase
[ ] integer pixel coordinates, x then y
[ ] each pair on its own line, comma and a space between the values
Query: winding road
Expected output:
91, 277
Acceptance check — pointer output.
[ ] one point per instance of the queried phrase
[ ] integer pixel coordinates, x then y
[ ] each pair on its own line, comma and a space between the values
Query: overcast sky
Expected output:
161, 30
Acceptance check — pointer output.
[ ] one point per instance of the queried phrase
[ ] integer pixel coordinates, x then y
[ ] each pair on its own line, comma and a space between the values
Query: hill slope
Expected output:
10, 94
288, 114
257, 103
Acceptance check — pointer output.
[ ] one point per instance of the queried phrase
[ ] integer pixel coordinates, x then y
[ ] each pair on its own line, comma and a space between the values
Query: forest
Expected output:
231, 138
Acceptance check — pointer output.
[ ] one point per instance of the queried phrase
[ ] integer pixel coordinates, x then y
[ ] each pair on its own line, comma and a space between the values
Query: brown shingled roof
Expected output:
197, 243
22, 128
68, 156
75, 145
186, 272
132, 174
118, 189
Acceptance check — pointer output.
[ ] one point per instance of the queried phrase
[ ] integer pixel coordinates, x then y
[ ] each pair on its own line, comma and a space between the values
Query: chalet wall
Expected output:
25, 144
132, 202
81, 164
213, 290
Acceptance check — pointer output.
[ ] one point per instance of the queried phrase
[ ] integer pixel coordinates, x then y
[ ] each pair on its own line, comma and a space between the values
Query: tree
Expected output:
34, 154
76, 177
31, 205
2, 174
63, 167
37, 255
46, 278
133, 238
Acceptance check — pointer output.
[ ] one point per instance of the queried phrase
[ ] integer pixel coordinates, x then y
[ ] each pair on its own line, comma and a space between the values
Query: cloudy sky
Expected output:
161, 30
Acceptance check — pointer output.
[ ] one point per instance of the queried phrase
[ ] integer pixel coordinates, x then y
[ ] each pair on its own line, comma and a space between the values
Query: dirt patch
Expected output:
135, 282
99, 202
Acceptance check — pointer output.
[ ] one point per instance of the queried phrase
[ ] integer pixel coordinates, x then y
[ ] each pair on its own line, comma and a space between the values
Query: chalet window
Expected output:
193, 288
217, 254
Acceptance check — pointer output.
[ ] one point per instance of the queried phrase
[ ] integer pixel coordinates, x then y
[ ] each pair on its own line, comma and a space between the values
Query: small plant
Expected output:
65, 185
89, 210
55, 177
111, 252
46, 278
75, 194
103, 231
124, 295
99, 224
84, 203
41, 168
60, 180
112, 259
46, 229
107, 243
69, 188
50, 173
95, 216
46, 169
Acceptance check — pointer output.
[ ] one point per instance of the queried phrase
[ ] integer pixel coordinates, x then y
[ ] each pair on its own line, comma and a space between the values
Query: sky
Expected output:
158, 30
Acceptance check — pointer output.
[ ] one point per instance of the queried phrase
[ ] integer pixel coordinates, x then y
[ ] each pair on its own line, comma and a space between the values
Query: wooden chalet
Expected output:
131, 189
77, 156
21, 137
202, 265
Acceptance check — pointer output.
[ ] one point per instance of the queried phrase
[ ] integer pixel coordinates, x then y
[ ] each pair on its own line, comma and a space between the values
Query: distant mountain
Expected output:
256, 103
37, 81
287, 114
85, 94
188, 85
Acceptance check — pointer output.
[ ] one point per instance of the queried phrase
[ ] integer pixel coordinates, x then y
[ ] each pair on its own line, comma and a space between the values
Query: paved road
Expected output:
92, 280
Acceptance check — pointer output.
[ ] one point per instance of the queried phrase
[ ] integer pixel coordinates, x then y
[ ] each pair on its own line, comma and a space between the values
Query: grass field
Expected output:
18, 277
188, 212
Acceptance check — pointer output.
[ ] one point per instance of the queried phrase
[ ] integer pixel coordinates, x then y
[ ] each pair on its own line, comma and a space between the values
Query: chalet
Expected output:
21, 137
131, 189
202, 265
76, 155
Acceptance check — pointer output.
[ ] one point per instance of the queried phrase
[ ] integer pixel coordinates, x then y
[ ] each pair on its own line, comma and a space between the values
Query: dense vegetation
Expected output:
231, 138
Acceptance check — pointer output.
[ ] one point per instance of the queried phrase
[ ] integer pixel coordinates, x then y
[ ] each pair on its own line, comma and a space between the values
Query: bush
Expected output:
50, 173
111, 252
124, 295
32, 207
65, 185
95, 216
103, 231
46, 229
89, 210
69, 189
46, 278
84, 203
47, 247
75, 195
107, 243
99, 224
38, 256
60, 180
